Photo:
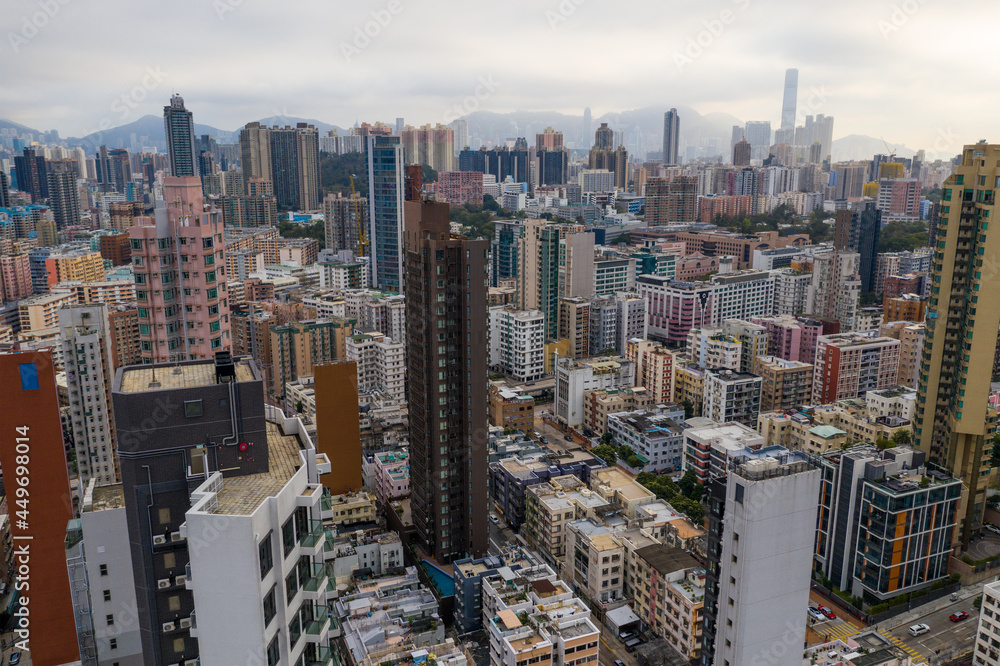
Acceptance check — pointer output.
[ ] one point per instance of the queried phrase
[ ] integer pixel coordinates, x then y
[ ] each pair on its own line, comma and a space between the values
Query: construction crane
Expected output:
892, 151
362, 240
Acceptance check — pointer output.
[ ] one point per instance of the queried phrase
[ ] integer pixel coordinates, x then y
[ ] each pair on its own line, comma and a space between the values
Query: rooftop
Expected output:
138, 378
241, 495
108, 497
667, 559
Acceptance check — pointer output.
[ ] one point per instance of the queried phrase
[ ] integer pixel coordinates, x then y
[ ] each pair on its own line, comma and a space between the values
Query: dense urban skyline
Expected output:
730, 59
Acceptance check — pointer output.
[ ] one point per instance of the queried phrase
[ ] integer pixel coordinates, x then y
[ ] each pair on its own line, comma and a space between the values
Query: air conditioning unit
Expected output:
180, 580
159, 540
175, 536
163, 583
168, 626
185, 623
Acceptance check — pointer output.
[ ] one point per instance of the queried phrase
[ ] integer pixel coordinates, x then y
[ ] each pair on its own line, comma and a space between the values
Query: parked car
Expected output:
827, 613
958, 617
569, 438
992, 528
625, 635
15, 658
816, 615
632, 643
494, 519
919, 629
619, 662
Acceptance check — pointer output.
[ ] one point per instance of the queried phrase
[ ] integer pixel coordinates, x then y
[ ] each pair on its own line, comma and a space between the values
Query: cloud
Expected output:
904, 69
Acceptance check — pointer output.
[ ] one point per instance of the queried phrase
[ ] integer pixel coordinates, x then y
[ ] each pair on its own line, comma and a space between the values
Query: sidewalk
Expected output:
910, 617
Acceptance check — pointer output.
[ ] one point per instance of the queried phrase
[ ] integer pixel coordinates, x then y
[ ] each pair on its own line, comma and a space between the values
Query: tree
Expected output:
490, 204
688, 408
900, 236
606, 453
607, 438
688, 482
315, 230
902, 437
298, 407
428, 174
335, 173
884, 443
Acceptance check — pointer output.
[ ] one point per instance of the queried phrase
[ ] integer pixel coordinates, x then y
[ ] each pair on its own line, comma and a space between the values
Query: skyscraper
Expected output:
604, 156
63, 193
869, 226
954, 420
671, 136
180, 275
604, 138
790, 99
178, 125
4, 190
538, 271
588, 125
31, 175
255, 152
758, 135
446, 286
385, 209
295, 166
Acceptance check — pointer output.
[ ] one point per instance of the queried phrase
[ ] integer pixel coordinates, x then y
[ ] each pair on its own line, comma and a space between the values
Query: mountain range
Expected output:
643, 128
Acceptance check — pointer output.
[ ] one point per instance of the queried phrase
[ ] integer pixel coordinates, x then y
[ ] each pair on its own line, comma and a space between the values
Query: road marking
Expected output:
903, 646
613, 651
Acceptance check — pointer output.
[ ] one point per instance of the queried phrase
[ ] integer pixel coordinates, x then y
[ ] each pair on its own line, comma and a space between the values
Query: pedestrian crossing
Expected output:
919, 658
842, 630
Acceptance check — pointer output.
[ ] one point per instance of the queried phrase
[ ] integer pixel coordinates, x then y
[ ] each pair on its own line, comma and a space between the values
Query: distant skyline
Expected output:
903, 71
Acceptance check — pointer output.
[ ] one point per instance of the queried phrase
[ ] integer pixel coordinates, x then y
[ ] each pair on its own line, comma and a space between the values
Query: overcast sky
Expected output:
903, 69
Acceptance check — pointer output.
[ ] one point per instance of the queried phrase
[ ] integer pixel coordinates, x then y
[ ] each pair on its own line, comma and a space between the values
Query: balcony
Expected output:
318, 655
317, 629
313, 537
314, 587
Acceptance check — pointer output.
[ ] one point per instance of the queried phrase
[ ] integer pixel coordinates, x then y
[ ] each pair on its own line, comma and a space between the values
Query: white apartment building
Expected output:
99, 559
597, 180
87, 361
327, 305
573, 377
708, 445
257, 569
987, 650
767, 543
517, 342
614, 274
654, 368
381, 364
633, 318
656, 436
711, 348
835, 290
559, 630
730, 396
791, 288
375, 311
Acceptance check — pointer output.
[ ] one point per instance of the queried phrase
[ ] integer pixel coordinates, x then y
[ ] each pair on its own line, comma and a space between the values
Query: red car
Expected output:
827, 613
958, 617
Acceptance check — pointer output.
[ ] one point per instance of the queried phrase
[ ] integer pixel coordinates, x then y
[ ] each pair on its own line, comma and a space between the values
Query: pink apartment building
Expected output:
179, 265
392, 475
15, 277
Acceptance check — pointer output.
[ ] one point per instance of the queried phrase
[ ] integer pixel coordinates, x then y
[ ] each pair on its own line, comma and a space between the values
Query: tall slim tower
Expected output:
954, 421
385, 208
63, 193
671, 136
446, 285
88, 362
588, 124
178, 125
790, 99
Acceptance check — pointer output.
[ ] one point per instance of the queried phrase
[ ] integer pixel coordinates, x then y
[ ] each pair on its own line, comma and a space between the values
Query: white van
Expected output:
919, 629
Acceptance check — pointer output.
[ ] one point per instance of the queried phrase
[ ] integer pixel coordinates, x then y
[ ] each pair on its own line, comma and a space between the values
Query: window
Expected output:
174, 603
104, 569
113, 644
270, 610
169, 560
110, 619
107, 595
288, 535
164, 515
291, 586
273, 654
178, 645
266, 556
738, 493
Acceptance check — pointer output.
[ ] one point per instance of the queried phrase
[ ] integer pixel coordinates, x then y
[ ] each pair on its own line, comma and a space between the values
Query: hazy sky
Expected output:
903, 69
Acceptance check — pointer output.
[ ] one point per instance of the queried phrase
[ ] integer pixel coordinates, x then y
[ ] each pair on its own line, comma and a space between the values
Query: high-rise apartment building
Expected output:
605, 156
88, 362
517, 342
961, 330
64, 197
731, 396
178, 257
345, 219
381, 363
297, 347
178, 125
741, 153
123, 328
295, 166
784, 384
385, 210
762, 529
671, 136
538, 271
848, 365
255, 152
446, 285
433, 146
654, 368
835, 291
758, 135
15, 277
460, 187
673, 201
31, 174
